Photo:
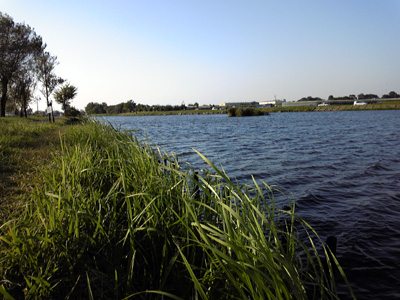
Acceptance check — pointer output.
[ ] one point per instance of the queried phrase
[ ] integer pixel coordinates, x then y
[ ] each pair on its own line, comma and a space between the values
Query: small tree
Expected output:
65, 94
46, 64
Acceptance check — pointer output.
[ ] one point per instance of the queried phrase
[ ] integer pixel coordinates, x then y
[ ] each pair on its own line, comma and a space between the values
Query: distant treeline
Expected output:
130, 106
391, 94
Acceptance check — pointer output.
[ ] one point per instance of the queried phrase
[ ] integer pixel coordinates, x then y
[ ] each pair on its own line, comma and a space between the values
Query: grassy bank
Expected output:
25, 144
112, 218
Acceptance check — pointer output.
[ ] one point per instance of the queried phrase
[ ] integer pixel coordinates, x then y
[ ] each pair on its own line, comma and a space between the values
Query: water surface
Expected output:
343, 168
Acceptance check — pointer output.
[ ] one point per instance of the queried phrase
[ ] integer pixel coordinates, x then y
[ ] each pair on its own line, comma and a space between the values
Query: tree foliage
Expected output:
93, 108
391, 94
128, 107
23, 64
350, 97
309, 98
65, 94
21, 91
367, 96
19, 46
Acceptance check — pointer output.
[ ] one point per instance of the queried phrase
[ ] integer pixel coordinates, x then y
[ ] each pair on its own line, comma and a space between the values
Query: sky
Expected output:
160, 52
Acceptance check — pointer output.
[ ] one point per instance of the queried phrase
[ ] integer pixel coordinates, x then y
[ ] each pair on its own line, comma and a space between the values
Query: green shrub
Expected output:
244, 112
72, 112
231, 111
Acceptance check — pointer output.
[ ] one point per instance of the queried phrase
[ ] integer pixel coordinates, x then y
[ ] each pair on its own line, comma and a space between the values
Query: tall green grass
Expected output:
118, 219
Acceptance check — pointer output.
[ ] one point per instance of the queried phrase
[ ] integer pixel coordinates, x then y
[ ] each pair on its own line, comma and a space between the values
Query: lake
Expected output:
343, 169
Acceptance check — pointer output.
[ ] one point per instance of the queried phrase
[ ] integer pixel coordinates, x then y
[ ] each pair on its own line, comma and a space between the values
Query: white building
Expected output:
276, 102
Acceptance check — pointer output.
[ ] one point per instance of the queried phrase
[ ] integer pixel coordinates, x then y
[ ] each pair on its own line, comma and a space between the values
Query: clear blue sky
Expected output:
169, 51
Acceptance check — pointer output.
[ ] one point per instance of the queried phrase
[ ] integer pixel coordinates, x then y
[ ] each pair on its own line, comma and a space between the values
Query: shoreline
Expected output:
277, 109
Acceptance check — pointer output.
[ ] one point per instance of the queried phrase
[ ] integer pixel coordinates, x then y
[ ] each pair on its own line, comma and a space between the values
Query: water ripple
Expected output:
343, 168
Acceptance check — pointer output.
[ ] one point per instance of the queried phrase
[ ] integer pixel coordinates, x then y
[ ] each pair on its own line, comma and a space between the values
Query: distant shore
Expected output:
276, 109
312, 108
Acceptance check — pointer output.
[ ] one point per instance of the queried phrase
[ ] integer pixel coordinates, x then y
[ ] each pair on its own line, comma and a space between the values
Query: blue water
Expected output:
343, 169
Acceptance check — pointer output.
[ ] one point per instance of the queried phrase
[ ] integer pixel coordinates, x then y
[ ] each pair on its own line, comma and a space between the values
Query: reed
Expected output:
117, 219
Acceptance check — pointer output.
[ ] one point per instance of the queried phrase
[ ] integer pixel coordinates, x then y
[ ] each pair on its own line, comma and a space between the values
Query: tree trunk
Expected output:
24, 102
52, 112
48, 104
25, 110
4, 85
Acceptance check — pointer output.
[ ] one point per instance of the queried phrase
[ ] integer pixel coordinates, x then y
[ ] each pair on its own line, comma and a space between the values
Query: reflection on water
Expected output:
343, 168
